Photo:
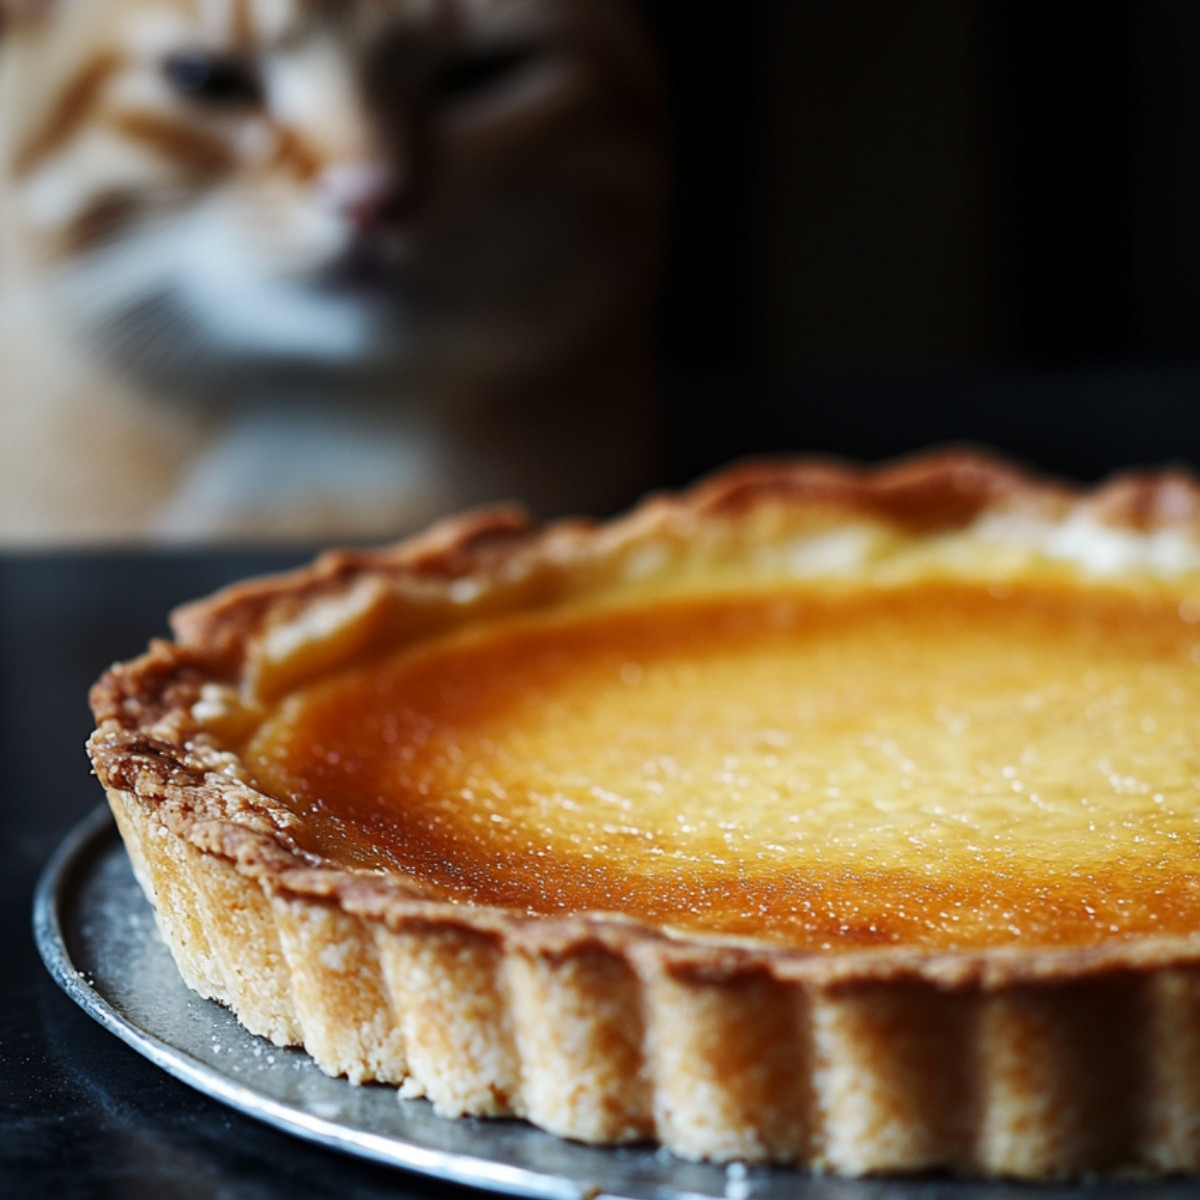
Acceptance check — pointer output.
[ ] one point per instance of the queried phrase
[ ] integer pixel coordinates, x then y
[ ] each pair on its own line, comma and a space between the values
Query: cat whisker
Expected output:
153, 337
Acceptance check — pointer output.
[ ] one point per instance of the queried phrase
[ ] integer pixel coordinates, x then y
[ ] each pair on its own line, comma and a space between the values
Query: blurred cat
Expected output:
313, 268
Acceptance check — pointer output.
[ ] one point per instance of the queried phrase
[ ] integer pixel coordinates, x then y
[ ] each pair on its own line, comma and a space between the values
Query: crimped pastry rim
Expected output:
149, 749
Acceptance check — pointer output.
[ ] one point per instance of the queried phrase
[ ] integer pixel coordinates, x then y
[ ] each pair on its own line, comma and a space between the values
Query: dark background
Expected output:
905, 222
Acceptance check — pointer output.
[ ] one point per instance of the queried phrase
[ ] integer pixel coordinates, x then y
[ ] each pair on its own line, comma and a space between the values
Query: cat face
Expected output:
215, 188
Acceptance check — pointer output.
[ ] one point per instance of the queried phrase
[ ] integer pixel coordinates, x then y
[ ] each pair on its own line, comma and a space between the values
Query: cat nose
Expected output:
366, 195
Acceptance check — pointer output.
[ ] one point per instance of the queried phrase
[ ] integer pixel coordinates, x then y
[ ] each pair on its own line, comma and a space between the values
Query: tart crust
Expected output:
1017, 1061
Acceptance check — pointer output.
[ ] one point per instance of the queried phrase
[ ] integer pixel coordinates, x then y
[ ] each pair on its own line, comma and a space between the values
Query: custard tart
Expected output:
821, 815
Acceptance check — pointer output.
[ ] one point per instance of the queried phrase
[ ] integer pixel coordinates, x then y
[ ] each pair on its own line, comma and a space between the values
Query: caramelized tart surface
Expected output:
943, 765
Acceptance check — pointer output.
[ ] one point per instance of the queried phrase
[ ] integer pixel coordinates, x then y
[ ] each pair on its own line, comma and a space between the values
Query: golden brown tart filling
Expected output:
938, 765
820, 816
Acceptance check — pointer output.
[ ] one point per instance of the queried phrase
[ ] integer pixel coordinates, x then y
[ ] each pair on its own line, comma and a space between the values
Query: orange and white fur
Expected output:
312, 268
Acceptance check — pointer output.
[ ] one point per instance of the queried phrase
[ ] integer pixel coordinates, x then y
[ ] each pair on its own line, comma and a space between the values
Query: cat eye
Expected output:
213, 78
479, 72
